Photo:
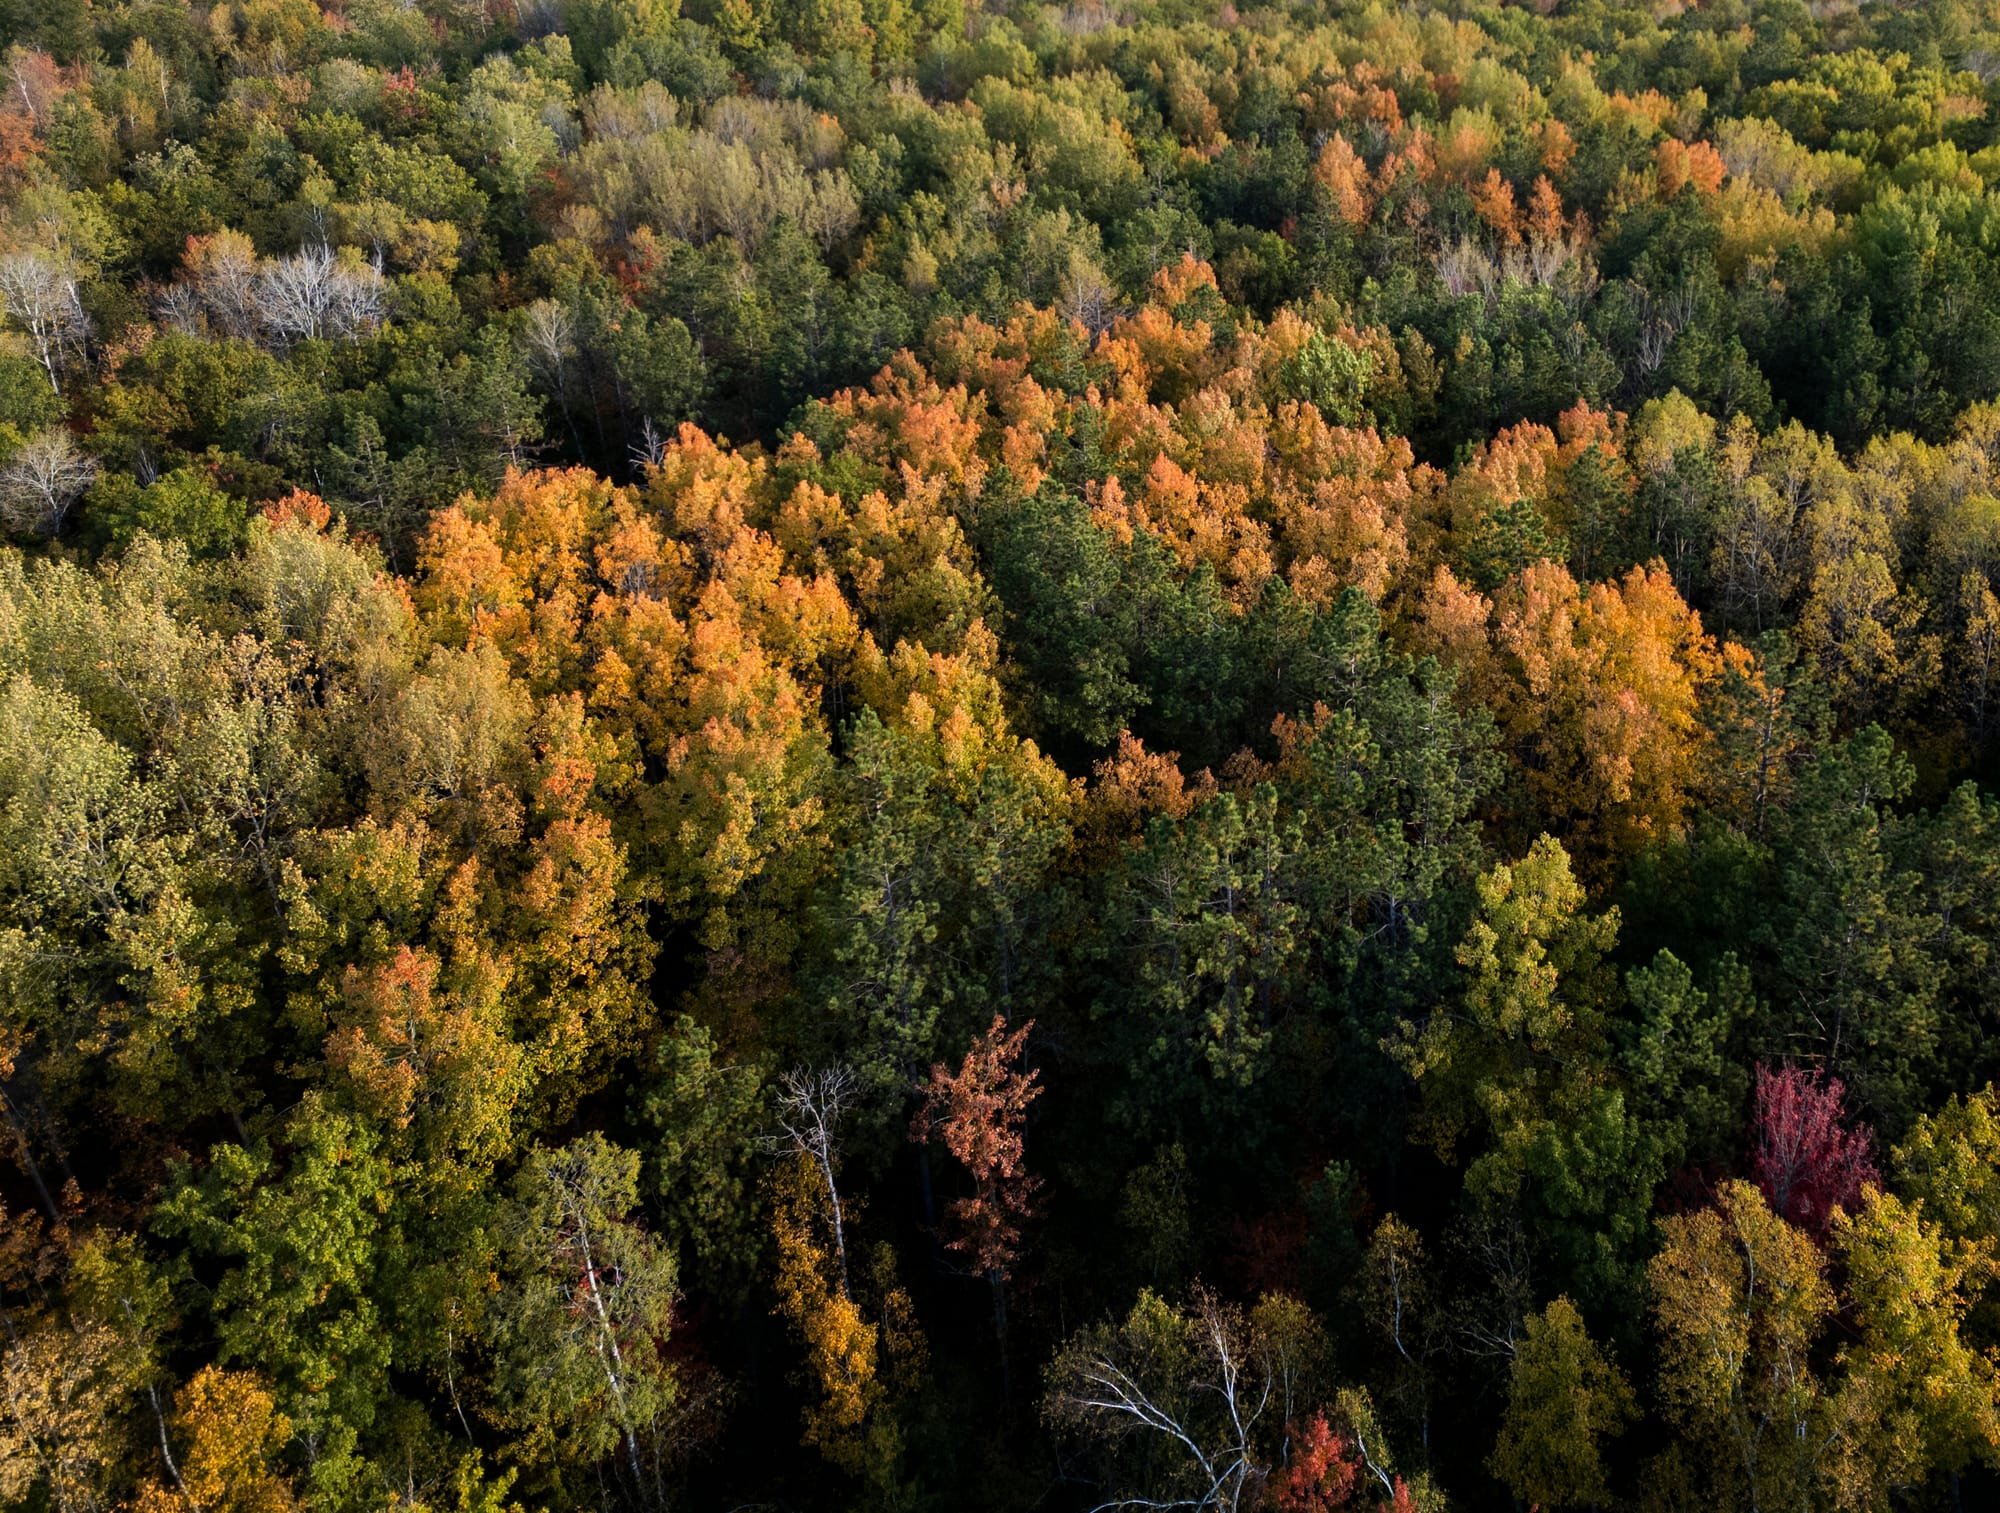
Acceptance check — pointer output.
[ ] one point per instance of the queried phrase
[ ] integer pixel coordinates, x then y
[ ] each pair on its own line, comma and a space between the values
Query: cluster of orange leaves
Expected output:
707, 621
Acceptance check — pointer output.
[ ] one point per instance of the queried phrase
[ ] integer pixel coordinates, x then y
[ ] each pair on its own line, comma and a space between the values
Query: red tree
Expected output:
1807, 1162
1322, 1471
1326, 1472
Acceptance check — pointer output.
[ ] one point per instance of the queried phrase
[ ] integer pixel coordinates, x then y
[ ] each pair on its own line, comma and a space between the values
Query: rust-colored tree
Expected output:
977, 1112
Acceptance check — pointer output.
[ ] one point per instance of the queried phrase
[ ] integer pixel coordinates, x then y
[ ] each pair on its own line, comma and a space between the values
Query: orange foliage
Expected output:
1493, 198
1342, 501
1603, 712
1360, 97
17, 146
1557, 147
977, 1112
1647, 111
1130, 787
1682, 163
1340, 169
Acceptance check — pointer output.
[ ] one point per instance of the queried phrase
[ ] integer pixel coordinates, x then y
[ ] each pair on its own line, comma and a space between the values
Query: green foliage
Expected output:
1678, 1055
709, 1118
583, 1313
307, 1250
1205, 940
1331, 376
181, 506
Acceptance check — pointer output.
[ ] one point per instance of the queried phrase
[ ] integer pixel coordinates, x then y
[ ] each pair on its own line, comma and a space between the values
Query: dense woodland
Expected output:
890, 754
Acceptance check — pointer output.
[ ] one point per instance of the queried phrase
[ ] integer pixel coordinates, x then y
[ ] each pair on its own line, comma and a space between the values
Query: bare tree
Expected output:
1465, 267
357, 303
178, 308
222, 270
1087, 296
651, 447
42, 480
548, 331
314, 293
811, 1105
39, 291
1187, 1408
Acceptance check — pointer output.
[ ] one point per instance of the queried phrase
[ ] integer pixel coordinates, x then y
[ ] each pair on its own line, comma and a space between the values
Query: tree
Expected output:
1602, 711
232, 1437
316, 293
39, 290
1332, 1468
925, 923
977, 1112
1398, 1291
1677, 1055
1564, 1398
435, 1062
1807, 1166
858, 1371
1856, 944
221, 271
1331, 376
1187, 1407
811, 1106
58, 1417
1766, 714
708, 1115
1950, 1163
1739, 1298
582, 1318
1203, 953
183, 505
114, 1285
1921, 1399
1521, 1067
1384, 769
304, 1245
888, 981
47, 474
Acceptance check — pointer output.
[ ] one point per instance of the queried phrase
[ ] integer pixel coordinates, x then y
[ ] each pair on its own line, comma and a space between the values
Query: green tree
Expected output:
1522, 1068
1861, 981
309, 1249
1202, 956
709, 1116
582, 1317
1677, 1054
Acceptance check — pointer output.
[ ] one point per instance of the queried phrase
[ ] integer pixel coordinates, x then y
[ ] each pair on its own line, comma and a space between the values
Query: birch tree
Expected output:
42, 481
38, 292
580, 1323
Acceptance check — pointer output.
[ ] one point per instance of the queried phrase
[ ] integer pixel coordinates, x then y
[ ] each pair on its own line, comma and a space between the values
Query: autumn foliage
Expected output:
883, 754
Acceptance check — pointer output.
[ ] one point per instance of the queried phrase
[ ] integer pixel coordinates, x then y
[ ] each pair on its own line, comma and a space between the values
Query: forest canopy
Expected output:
919, 754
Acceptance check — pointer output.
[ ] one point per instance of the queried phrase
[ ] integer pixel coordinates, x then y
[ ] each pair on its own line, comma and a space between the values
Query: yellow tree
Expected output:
1739, 1299
1565, 1397
1602, 706
59, 1411
855, 1370
230, 1436
1919, 1398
